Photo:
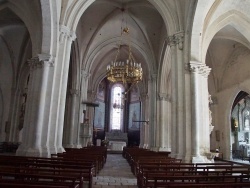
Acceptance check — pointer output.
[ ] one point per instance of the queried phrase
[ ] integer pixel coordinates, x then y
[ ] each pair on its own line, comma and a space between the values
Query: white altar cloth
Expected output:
117, 145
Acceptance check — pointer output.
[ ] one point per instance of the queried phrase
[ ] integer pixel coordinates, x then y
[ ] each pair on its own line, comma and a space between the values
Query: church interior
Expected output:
168, 77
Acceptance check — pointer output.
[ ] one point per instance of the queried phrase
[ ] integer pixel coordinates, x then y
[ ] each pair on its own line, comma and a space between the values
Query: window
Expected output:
116, 115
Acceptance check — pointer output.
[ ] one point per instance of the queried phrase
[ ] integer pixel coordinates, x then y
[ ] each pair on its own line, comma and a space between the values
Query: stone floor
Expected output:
116, 173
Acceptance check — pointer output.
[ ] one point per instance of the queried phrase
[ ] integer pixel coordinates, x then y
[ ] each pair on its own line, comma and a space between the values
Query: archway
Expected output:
240, 126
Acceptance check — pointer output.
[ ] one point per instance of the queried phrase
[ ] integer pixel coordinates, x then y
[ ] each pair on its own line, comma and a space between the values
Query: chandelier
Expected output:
128, 71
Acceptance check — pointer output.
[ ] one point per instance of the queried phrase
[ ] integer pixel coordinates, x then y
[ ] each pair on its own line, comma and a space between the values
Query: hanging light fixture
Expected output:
128, 71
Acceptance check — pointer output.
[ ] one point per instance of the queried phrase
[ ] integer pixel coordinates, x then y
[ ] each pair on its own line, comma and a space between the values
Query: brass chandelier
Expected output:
128, 71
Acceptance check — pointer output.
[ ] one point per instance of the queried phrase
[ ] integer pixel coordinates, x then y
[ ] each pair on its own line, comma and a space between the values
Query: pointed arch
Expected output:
234, 18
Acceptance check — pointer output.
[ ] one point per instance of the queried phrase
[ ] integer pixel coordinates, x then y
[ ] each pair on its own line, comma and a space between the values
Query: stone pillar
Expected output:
142, 133
59, 87
200, 112
180, 102
36, 107
178, 95
164, 133
83, 97
153, 120
195, 111
66, 38
144, 139
73, 123
188, 127
91, 115
174, 139
204, 103
15, 108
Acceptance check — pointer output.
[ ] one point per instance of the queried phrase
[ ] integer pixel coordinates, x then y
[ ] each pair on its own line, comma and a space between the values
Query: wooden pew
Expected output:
39, 179
14, 184
163, 180
35, 165
75, 163
98, 154
160, 173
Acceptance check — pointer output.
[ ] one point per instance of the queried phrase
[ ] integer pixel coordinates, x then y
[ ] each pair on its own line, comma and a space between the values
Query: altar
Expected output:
117, 140
117, 145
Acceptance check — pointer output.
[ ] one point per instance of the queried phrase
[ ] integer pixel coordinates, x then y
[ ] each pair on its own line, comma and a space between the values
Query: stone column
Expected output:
199, 107
67, 37
36, 107
195, 110
188, 127
174, 139
180, 102
164, 133
72, 125
91, 115
204, 104
83, 97
153, 124
144, 139
59, 86
15, 109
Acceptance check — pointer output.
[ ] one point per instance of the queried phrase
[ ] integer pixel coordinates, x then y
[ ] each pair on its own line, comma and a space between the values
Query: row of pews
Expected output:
71, 169
157, 169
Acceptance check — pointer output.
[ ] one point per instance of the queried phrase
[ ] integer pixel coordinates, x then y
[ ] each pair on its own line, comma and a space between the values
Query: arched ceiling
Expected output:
220, 39
12, 33
99, 31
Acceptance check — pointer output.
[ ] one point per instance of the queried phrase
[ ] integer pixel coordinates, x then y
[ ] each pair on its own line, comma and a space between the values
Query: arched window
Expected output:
116, 110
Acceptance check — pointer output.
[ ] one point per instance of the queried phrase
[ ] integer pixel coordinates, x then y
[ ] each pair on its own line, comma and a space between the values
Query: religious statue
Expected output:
211, 127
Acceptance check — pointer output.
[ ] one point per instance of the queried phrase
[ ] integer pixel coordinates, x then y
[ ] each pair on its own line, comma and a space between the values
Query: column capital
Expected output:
144, 96
153, 77
177, 38
164, 97
65, 32
74, 92
171, 40
200, 68
85, 74
41, 61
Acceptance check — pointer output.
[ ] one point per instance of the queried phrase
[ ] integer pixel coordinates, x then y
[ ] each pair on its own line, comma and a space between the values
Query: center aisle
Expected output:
116, 173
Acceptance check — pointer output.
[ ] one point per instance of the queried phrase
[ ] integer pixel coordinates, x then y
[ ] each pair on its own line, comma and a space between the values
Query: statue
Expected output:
211, 127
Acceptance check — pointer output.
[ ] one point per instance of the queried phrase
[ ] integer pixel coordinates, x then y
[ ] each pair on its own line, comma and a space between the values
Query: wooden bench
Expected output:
157, 173
14, 184
163, 180
85, 170
39, 179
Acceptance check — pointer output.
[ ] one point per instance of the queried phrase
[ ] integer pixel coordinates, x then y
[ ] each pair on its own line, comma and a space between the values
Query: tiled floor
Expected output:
116, 173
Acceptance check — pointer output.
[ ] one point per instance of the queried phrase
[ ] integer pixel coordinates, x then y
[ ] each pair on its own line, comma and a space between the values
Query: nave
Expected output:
115, 173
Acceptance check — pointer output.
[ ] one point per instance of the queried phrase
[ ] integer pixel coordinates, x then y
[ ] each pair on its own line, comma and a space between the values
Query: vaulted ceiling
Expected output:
99, 34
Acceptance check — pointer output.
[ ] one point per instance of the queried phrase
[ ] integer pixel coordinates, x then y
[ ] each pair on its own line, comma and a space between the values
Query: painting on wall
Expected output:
99, 116
134, 115
101, 91
135, 95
